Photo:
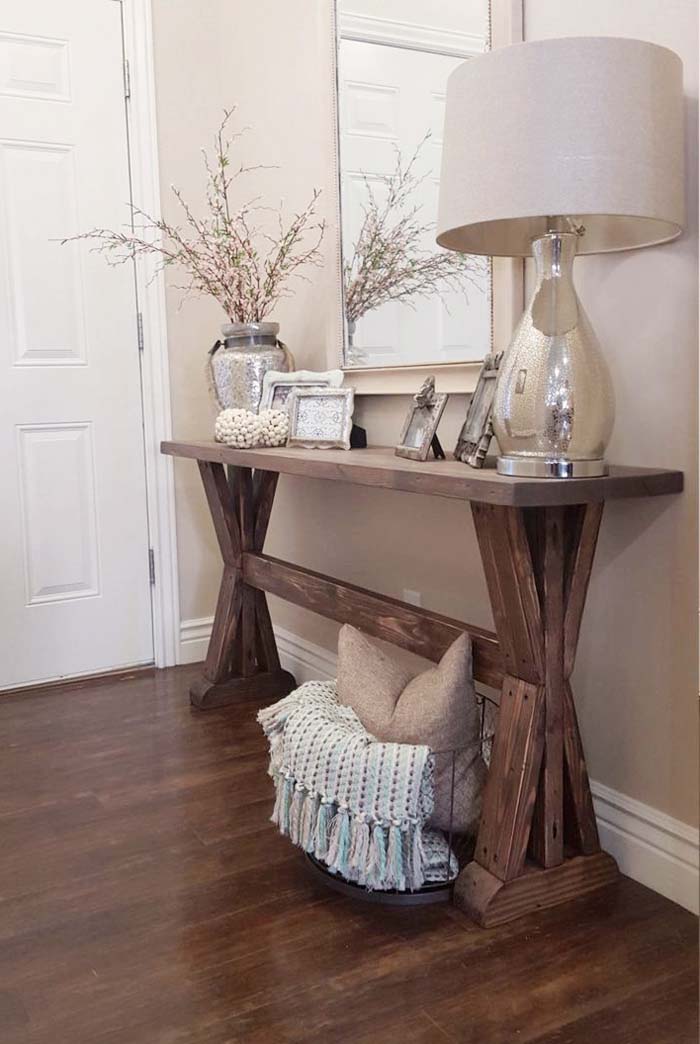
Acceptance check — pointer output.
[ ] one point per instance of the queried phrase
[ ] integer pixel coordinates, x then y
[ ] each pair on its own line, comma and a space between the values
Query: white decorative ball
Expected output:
273, 427
239, 428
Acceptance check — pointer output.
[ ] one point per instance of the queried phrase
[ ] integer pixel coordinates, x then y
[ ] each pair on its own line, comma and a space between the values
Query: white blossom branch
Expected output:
224, 253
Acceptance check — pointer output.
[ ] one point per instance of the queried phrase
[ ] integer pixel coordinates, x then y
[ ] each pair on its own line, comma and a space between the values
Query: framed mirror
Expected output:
407, 305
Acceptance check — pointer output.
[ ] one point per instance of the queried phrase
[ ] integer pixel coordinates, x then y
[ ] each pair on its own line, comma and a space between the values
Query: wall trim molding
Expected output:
649, 846
394, 33
304, 659
137, 33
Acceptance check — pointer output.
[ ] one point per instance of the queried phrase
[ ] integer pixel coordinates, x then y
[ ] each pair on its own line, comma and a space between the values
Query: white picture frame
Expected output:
321, 418
278, 386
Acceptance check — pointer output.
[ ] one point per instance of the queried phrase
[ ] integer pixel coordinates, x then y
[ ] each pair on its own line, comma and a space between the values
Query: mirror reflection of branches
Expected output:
407, 302
389, 261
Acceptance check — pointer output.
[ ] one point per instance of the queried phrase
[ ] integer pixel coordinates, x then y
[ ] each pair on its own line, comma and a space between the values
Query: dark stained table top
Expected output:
379, 466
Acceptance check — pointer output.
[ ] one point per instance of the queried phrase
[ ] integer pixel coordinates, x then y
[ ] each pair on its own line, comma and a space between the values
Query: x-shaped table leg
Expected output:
538, 840
242, 659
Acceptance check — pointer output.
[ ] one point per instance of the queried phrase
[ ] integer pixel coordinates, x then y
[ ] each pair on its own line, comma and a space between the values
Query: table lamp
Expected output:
553, 148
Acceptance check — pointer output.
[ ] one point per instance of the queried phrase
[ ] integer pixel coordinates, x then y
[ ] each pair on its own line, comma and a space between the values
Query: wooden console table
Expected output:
538, 840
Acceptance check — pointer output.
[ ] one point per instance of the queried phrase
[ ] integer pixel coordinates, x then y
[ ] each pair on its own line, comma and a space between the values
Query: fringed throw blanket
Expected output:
358, 805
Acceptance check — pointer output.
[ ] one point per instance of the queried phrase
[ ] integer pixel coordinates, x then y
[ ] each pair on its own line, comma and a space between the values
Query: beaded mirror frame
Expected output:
507, 274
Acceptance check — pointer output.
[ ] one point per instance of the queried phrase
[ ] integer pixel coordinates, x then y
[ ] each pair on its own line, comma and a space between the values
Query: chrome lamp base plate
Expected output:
536, 467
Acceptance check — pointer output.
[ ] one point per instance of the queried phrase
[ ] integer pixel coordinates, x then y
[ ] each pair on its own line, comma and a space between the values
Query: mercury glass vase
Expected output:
238, 363
554, 405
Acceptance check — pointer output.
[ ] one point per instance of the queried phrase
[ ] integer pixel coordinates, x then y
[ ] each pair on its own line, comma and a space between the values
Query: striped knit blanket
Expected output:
358, 805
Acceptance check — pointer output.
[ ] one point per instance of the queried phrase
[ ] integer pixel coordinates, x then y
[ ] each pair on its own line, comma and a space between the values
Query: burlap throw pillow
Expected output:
437, 708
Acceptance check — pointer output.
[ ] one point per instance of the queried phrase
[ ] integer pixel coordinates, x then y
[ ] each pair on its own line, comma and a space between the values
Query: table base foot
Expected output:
489, 901
263, 686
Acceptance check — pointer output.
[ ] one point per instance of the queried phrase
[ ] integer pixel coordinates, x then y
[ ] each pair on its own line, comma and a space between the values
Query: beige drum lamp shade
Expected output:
589, 128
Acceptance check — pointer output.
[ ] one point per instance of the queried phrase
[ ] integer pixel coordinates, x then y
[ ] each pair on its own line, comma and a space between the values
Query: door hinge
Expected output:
139, 329
127, 79
151, 566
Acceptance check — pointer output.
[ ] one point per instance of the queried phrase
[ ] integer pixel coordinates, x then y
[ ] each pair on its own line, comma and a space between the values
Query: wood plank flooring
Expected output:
146, 899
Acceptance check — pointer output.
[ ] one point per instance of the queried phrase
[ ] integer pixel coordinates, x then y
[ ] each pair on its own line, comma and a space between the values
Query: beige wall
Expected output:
635, 680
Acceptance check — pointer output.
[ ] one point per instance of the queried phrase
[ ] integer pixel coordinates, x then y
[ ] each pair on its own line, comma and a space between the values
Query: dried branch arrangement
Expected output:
226, 253
388, 262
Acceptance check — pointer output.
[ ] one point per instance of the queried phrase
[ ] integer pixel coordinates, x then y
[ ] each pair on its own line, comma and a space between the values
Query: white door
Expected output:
74, 554
390, 98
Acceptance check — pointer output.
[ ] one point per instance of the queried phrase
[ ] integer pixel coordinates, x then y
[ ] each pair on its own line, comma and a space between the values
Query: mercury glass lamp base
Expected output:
554, 405
536, 467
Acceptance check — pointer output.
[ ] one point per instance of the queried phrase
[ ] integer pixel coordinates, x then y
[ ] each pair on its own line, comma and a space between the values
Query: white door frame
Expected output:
155, 369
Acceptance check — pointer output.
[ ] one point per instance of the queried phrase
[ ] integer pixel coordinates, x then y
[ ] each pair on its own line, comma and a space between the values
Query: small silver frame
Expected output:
278, 386
477, 431
309, 432
421, 423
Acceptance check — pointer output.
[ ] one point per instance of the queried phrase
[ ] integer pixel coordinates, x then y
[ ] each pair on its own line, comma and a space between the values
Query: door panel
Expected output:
72, 477
45, 299
56, 466
32, 67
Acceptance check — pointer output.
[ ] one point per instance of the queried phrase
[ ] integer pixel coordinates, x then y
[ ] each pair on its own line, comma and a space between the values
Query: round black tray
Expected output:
433, 893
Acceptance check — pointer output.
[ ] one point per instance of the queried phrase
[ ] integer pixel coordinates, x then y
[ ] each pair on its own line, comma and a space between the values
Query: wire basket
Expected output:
458, 845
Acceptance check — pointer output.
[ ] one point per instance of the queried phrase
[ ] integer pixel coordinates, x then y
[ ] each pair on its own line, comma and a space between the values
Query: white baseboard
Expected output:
194, 637
303, 659
649, 846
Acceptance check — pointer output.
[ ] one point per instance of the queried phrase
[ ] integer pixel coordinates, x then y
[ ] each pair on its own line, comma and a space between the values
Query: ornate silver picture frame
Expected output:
321, 418
420, 427
278, 386
477, 432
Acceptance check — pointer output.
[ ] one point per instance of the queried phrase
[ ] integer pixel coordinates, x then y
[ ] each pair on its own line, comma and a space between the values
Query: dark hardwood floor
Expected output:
146, 899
